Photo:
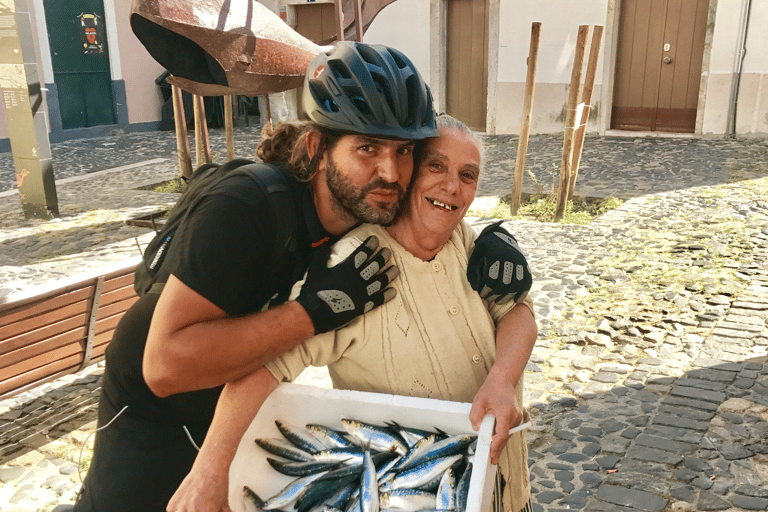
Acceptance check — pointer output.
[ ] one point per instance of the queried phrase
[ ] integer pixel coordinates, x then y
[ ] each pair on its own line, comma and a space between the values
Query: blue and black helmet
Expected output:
368, 89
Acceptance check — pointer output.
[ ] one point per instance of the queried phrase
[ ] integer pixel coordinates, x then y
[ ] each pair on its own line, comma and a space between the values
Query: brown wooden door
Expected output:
316, 21
467, 61
658, 64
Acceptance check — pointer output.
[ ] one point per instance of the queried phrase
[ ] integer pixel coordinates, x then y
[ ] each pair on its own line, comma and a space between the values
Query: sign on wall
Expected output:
91, 33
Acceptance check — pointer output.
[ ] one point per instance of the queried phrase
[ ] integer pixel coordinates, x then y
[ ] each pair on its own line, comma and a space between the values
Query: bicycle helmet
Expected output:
368, 89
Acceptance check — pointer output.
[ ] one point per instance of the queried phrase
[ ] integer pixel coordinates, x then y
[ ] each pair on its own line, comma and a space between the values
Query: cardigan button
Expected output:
476, 359
436, 266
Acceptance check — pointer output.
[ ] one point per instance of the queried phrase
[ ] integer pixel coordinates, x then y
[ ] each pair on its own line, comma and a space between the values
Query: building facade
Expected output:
685, 66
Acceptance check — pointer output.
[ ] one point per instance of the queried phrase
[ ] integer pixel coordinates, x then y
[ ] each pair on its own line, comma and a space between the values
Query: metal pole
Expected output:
359, 20
525, 123
27, 127
228, 128
182, 138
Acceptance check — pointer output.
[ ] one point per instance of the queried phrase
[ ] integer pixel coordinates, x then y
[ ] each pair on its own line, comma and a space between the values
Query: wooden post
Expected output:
586, 99
182, 138
570, 121
228, 131
359, 20
339, 20
267, 110
525, 122
202, 144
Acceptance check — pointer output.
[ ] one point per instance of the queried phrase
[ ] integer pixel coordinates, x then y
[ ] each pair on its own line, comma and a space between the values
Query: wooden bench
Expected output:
50, 331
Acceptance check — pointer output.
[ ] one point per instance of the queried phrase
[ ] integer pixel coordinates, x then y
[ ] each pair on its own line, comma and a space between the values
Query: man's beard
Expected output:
352, 200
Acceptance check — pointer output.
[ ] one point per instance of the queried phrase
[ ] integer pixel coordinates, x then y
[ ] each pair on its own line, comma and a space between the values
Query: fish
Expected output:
369, 485
324, 489
410, 435
284, 449
417, 449
424, 474
443, 448
300, 437
329, 437
345, 455
378, 438
251, 500
291, 492
301, 468
462, 489
406, 500
446, 491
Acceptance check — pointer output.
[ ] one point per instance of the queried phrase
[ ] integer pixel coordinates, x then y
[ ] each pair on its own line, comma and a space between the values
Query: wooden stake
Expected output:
586, 99
570, 121
525, 122
182, 138
202, 144
359, 20
228, 129
267, 110
339, 20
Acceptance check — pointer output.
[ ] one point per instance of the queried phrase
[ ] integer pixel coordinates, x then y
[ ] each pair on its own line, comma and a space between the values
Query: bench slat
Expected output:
68, 365
29, 350
43, 307
47, 331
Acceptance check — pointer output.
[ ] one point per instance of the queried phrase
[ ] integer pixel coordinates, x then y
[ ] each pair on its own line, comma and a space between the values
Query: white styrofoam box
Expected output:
299, 405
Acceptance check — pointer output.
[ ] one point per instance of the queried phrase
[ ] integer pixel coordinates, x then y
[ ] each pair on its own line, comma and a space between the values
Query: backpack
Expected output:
203, 180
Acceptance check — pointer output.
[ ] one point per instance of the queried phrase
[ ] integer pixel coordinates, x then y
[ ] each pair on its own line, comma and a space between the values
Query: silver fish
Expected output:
251, 500
291, 492
378, 438
301, 468
446, 491
300, 437
416, 450
406, 500
284, 449
462, 489
443, 448
345, 455
369, 486
423, 474
329, 437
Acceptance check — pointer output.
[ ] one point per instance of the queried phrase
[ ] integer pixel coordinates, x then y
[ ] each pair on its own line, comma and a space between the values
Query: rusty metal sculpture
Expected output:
219, 47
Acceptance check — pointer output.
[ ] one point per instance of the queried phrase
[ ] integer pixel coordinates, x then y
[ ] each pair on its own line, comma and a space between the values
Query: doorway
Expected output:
467, 61
658, 65
80, 59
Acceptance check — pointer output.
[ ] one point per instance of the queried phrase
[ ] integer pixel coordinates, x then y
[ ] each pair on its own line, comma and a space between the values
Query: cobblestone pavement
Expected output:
648, 386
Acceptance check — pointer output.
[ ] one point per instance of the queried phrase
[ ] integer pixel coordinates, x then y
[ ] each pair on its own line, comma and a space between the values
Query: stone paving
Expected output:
648, 386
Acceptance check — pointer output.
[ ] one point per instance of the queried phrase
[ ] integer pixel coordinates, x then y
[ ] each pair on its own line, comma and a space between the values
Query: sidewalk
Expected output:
648, 386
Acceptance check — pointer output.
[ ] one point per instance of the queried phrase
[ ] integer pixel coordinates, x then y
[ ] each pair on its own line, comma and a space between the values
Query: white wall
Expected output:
404, 25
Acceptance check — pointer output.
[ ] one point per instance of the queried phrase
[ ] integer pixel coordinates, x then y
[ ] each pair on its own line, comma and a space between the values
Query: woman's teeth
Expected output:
448, 207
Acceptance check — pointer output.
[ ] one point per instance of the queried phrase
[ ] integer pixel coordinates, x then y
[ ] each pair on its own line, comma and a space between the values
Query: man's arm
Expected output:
193, 344
206, 487
515, 336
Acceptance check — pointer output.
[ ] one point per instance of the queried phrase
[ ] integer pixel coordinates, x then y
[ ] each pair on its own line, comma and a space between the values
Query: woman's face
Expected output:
445, 184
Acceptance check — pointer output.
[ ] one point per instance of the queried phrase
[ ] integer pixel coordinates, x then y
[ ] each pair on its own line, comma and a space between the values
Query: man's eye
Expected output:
408, 150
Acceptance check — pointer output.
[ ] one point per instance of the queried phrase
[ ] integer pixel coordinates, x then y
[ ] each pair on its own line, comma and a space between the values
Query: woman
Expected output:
435, 339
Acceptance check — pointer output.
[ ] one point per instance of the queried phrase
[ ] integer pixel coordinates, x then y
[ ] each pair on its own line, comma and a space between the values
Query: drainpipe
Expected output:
741, 51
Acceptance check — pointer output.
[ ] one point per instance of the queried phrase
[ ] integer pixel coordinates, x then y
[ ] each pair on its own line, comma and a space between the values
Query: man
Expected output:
172, 353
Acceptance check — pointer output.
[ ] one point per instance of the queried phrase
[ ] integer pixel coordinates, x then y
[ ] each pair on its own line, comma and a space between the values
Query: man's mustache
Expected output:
380, 184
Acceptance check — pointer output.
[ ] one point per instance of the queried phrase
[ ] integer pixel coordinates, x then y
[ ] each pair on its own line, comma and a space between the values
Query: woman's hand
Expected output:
203, 490
497, 397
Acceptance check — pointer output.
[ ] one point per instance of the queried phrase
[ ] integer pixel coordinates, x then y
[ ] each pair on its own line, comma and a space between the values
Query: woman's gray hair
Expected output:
448, 122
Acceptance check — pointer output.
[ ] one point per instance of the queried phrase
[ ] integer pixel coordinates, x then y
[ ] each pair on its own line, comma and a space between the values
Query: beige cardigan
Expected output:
435, 339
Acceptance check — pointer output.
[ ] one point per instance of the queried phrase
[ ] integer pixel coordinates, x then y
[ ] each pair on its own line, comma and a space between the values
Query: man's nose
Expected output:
387, 168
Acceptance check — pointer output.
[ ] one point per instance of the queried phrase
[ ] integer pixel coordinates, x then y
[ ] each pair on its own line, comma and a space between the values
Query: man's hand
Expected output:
202, 491
334, 296
497, 397
497, 269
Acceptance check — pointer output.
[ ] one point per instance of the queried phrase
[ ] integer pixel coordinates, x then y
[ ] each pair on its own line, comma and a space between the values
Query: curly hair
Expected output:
287, 142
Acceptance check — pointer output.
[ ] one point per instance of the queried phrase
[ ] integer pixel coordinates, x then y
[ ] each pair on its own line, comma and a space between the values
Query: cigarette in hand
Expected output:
519, 428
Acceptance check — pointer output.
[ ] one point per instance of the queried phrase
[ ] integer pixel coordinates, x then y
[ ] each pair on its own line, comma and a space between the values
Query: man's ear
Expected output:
313, 143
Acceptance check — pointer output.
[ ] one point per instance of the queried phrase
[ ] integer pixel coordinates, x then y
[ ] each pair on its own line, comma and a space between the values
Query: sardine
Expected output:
410, 435
329, 437
369, 486
301, 468
322, 490
446, 491
417, 449
378, 438
346, 455
251, 500
284, 449
291, 492
442, 448
300, 437
424, 474
462, 489
406, 500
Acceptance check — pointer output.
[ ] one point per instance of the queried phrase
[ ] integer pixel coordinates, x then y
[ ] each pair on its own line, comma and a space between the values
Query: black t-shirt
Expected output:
223, 253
